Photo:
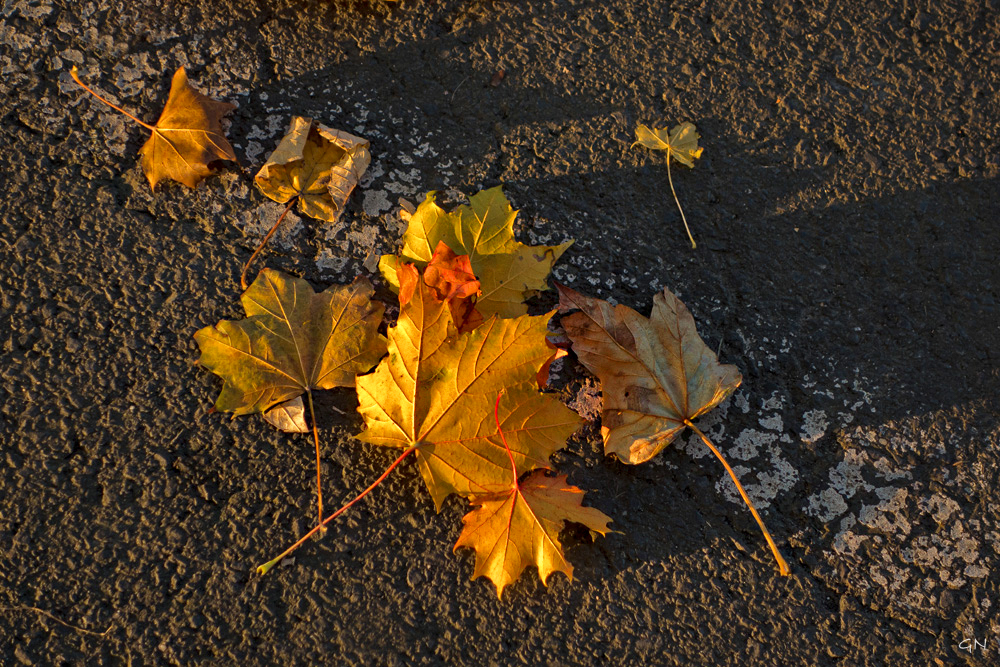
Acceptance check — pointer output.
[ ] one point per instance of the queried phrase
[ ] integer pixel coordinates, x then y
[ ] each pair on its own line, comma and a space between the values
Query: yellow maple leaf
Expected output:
187, 137
508, 271
292, 341
435, 391
518, 527
681, 144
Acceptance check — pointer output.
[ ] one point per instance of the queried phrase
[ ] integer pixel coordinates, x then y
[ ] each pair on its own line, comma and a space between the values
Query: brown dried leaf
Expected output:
188, 136
289, 416
656, 374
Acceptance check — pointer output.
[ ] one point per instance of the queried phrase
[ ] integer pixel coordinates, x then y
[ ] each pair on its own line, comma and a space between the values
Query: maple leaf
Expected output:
657, 376
317, 165
681, 144
513, 529
434, 390
187, 137
509, 271
292, 341
451, 278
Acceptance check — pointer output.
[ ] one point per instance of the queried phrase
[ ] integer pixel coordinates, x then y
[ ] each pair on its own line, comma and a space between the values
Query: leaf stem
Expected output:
246, 267
76, 77
263, 569
53, 617
782, 564
678, 201
510, 455
319, 481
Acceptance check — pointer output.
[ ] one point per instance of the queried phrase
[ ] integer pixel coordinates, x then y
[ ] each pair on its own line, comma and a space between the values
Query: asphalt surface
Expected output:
846, 209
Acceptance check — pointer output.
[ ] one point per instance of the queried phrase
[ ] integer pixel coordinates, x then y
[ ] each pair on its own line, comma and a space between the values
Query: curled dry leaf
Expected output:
187, 137
317, 164
543, 372
509, 271
292, 340
519, 526
656, 374
434, 391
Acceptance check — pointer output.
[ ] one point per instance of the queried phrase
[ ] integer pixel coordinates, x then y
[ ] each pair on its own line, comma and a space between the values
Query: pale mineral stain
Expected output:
814, 425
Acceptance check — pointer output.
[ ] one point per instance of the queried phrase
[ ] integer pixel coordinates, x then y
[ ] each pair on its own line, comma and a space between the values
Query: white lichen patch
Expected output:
826, 505
773, 478
887, 515
373, 173
885, 470
258, 221
846, 477
327, 261
376, 202
772, 423
365, 240
899, 541
749, 442
404, 182
814, 425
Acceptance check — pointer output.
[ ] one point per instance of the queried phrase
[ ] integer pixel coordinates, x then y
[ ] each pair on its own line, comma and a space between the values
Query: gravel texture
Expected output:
846, 208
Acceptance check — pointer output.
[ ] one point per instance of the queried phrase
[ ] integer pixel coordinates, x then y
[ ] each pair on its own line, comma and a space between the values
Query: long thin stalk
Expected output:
319, 479
678, 201
263, 569
782, 564
58, 620
246, 267
73, 73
